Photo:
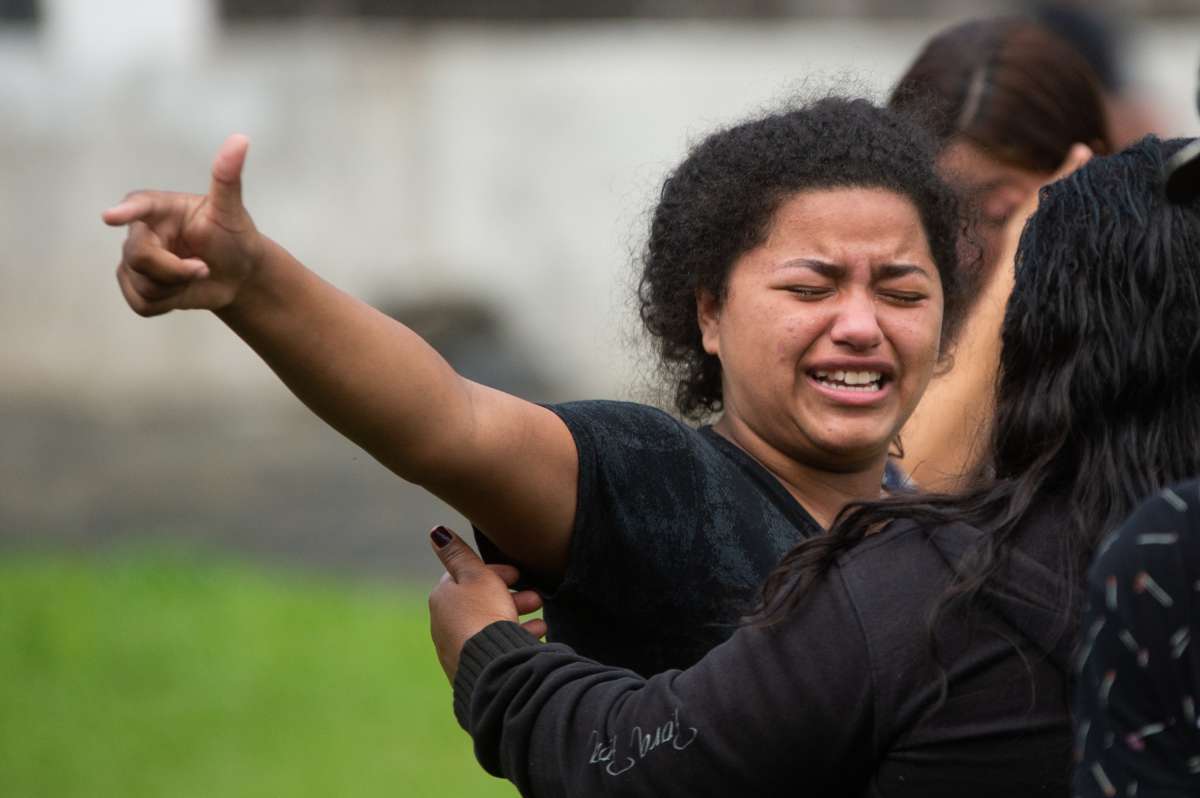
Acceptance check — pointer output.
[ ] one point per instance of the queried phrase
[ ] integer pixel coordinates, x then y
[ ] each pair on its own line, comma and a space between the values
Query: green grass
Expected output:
152, 674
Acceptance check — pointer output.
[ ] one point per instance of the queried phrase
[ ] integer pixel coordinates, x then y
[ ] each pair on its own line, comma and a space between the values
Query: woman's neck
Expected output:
822, 492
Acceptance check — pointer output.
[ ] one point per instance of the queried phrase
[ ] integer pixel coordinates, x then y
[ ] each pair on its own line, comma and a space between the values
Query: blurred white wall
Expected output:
510, 164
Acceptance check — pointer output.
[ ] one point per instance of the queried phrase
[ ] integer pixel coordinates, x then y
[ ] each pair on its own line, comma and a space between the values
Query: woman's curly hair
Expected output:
720, 201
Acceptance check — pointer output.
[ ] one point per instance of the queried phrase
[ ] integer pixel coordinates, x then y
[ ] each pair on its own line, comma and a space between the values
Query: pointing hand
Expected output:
189, 250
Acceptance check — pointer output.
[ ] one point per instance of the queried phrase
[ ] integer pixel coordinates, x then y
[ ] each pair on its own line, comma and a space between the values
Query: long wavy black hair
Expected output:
1098, 398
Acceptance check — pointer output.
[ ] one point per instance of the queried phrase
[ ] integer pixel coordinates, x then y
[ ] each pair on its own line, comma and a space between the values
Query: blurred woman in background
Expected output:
1006, 101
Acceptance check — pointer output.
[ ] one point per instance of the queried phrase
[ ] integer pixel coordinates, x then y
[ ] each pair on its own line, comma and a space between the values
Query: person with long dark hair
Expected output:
923, 647
1137, 725
1007, 101
798, 273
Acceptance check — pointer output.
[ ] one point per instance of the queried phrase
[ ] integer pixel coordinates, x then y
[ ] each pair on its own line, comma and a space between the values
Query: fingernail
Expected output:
441, 536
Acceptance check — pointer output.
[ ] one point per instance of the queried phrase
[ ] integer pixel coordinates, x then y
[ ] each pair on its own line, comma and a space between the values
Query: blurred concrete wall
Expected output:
489, 184
512, 166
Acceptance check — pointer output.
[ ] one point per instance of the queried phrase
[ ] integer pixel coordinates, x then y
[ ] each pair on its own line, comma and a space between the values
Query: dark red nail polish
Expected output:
441, 536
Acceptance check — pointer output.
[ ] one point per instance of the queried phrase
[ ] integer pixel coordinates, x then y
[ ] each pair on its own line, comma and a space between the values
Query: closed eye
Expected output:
904, 297
809, 291
996, 220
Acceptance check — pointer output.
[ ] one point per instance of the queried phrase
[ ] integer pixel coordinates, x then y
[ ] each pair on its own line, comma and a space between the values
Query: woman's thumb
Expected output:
459, 559
225, 192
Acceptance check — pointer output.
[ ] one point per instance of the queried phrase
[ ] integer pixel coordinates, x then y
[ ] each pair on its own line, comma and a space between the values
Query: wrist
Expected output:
479, 651
268, 271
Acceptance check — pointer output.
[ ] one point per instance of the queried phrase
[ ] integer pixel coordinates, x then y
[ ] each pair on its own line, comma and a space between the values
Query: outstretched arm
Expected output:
785, 710
507, 464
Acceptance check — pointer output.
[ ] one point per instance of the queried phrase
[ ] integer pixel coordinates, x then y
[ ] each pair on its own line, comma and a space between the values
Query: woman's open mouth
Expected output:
857, 381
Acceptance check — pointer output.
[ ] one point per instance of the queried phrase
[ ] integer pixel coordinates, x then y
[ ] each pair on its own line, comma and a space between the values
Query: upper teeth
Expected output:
850, 377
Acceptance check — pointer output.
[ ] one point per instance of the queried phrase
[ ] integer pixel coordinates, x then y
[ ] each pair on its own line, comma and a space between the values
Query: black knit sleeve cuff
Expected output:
493, 641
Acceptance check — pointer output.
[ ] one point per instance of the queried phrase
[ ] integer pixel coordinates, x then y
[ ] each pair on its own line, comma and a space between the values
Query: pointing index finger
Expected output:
133, 208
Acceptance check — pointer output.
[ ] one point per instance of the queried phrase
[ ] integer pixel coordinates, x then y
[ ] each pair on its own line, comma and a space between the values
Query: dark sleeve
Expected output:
1139, 683
783, 710
636, 473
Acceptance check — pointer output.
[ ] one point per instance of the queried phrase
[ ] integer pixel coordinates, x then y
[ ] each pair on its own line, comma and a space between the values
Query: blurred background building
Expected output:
480, 170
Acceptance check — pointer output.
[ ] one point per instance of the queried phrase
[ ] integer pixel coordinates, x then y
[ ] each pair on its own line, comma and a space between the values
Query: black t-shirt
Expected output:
675, 530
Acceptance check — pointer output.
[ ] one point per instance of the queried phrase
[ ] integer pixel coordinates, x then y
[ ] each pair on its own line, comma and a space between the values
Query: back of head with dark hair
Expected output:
720, 201
1096, 405
1010, 87
1104, 321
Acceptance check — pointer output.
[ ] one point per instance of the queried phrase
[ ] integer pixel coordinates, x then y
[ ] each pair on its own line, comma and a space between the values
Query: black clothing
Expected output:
1139, 683
676, 530
840, 698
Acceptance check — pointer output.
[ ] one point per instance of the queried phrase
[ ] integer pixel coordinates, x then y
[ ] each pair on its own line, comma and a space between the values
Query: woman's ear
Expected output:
945, 362
708, 316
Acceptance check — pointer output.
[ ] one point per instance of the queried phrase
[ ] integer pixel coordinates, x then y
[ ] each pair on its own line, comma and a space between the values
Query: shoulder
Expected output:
892, 579
611, 413
905, 547
909, 564
1133, 676
625, 424
895, 574
1167, 524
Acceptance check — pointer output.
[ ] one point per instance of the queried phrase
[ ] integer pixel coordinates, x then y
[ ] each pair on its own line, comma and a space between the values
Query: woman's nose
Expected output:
856, 324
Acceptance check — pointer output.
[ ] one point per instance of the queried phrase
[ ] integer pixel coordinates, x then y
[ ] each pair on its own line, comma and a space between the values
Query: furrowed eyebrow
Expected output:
890, 271
831, 270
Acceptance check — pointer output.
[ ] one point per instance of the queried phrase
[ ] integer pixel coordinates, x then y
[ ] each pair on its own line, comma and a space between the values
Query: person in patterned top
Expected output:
1139, 684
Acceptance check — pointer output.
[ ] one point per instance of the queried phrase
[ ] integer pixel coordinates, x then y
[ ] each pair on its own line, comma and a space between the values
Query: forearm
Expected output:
758, 715
363, 373
383, 387
545, 719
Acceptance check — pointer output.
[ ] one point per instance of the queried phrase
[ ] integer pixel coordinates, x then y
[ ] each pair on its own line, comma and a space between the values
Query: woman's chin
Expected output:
845, 454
